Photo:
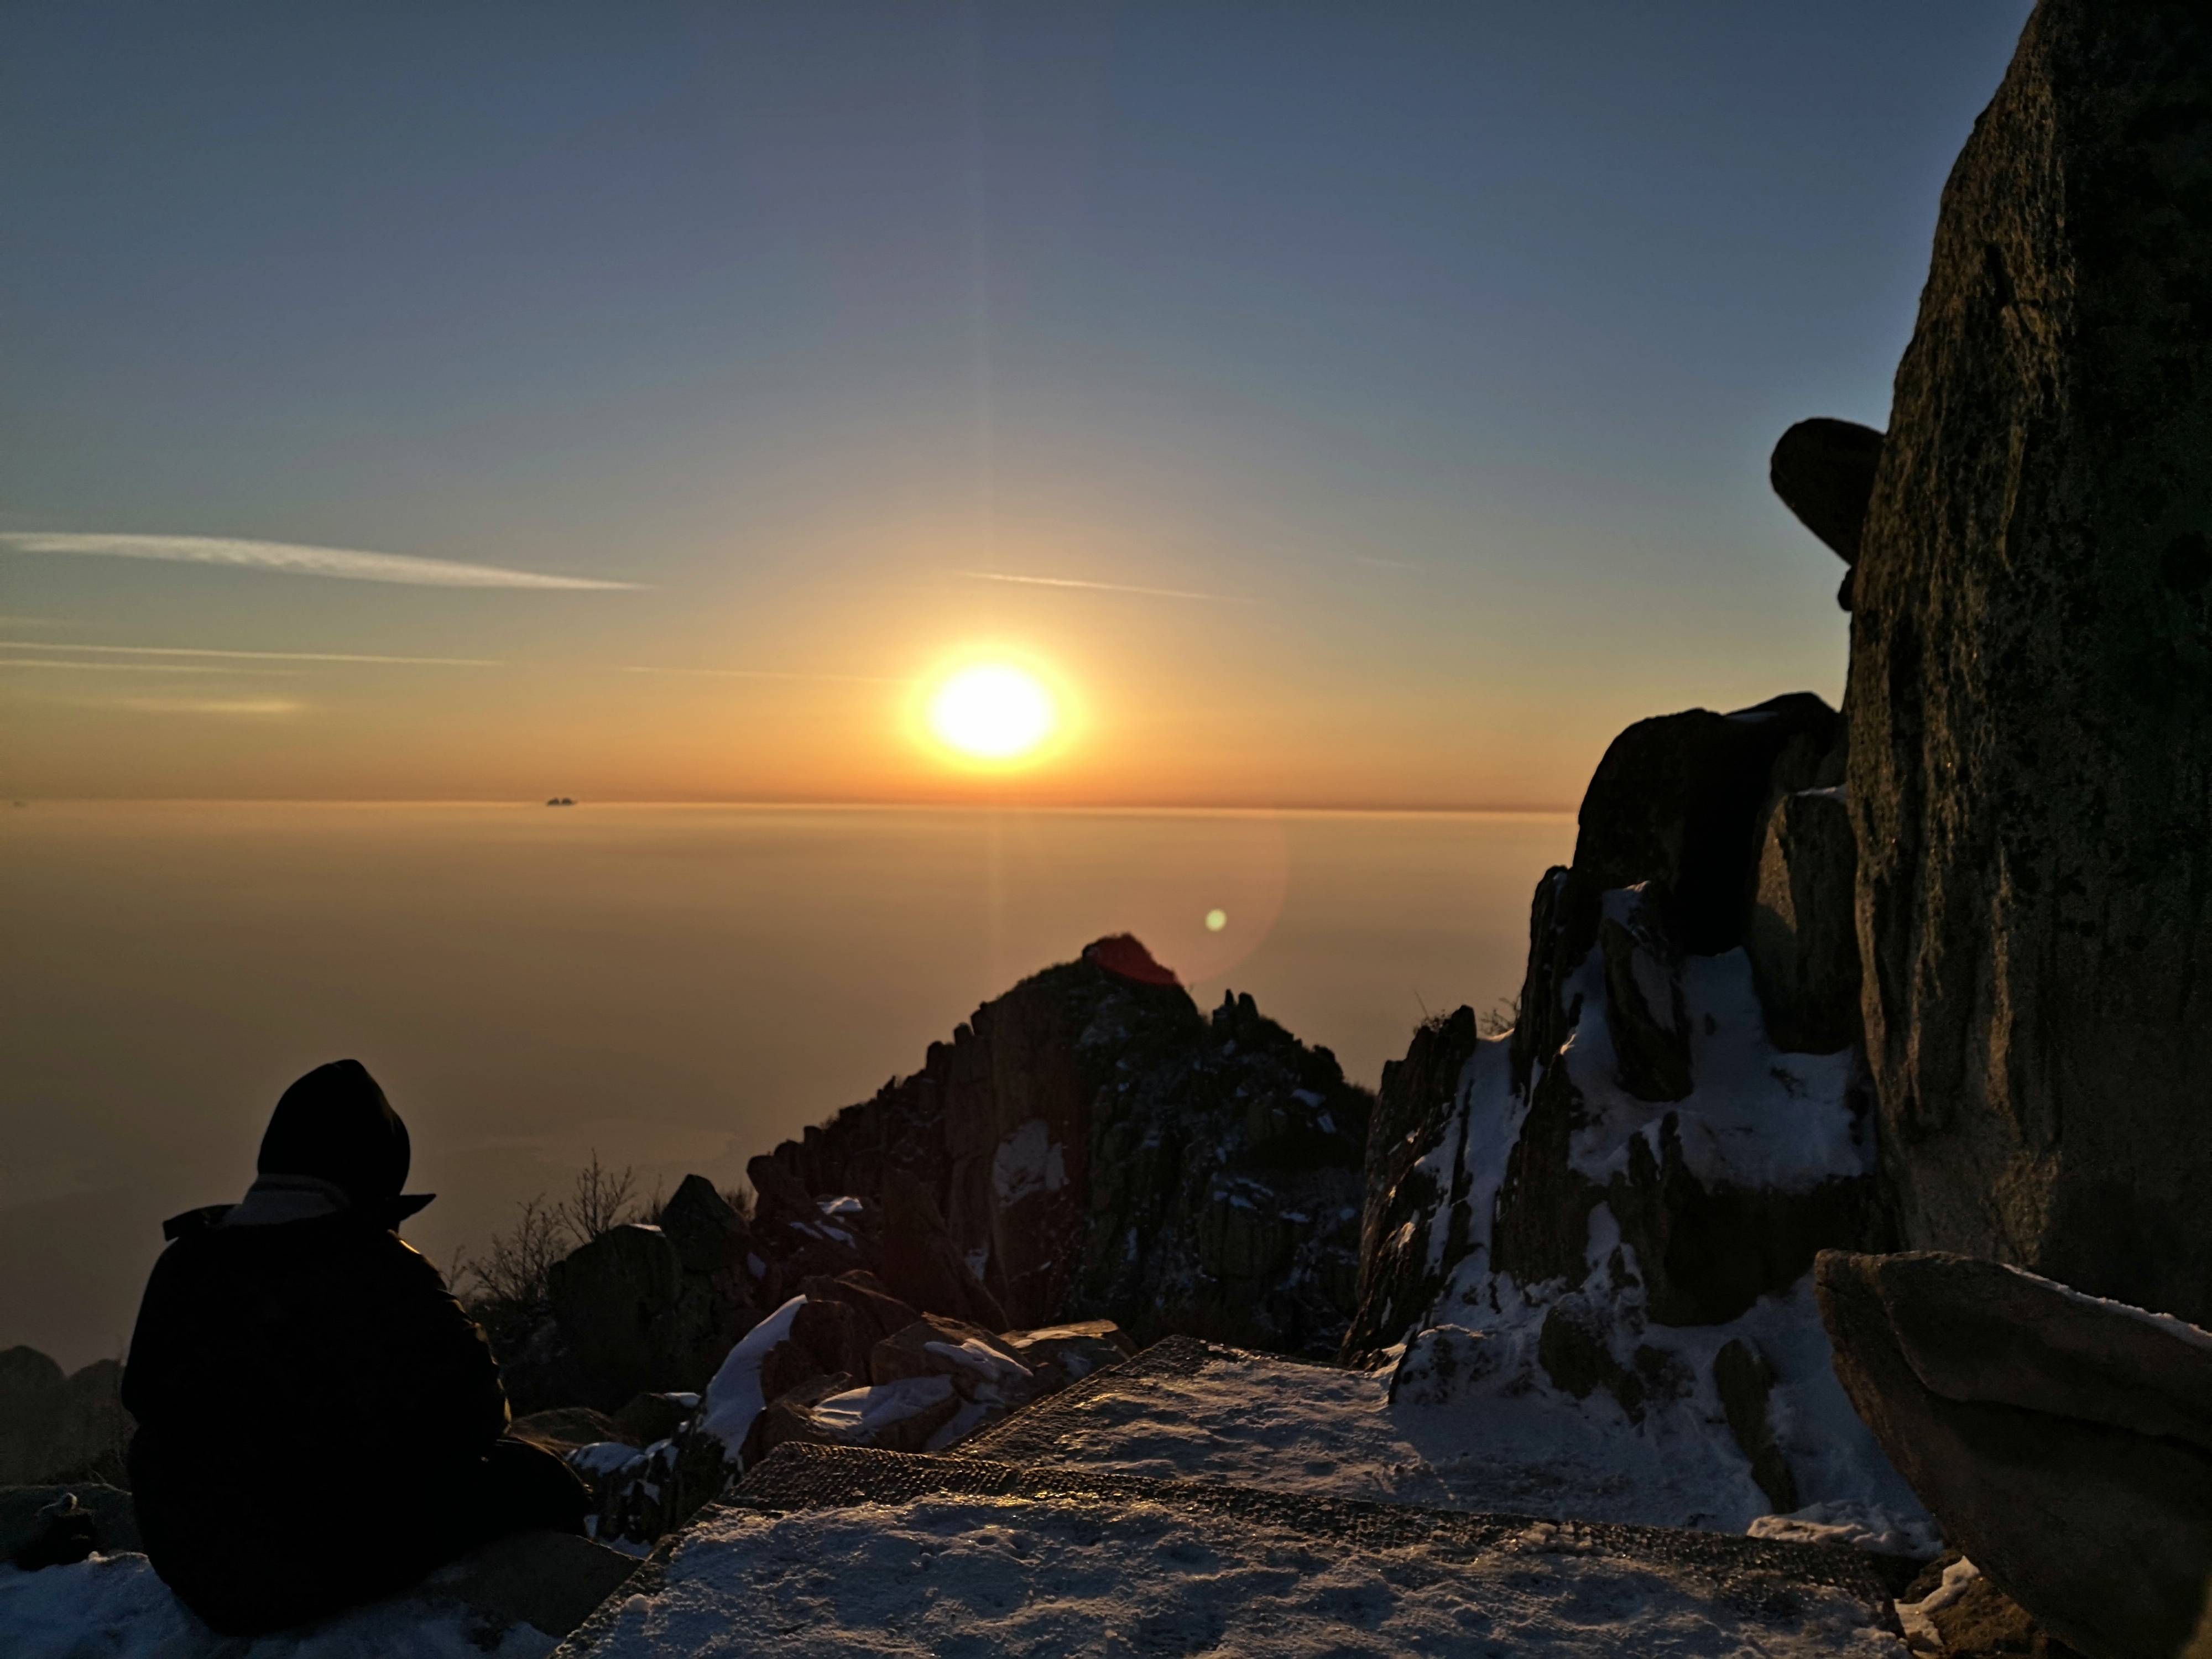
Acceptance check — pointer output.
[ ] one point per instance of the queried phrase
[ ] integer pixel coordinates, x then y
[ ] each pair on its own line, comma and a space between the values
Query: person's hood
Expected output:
335, 1136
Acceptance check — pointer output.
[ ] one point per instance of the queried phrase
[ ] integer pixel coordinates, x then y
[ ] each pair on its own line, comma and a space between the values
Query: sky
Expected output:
1333, 405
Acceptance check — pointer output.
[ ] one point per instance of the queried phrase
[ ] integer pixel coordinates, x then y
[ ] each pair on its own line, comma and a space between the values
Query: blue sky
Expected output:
1440, 345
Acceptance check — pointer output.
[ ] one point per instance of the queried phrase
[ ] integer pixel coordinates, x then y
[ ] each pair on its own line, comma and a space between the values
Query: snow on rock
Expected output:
1861, 1526
734, 1398
114, 1606
862, 1416
980, 1575
1028, 1161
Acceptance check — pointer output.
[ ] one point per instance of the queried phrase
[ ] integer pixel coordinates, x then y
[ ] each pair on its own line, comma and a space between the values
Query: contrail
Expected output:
1103, 587
270, 656
768, 674
140, 667
295, 560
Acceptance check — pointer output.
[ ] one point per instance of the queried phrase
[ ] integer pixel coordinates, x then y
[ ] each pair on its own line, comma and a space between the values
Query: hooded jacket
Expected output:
306, 1388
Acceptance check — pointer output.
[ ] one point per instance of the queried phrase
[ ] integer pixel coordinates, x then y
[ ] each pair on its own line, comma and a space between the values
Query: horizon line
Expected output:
799, 803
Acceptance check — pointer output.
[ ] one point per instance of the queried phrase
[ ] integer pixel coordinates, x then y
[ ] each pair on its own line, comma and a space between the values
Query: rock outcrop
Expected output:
2031, 679
2064, 1443
1091, 1145
1621, 1198
57, 1427
1823, 469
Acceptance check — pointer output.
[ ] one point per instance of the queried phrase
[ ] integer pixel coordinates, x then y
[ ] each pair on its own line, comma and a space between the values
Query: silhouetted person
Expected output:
320, 1423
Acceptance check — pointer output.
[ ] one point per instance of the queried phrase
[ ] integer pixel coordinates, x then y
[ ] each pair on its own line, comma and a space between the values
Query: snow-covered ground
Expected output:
113, 1607
1524, 1449
977, 1576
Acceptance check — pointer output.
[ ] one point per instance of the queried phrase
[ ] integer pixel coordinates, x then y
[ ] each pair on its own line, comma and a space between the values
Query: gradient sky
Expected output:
1424, 359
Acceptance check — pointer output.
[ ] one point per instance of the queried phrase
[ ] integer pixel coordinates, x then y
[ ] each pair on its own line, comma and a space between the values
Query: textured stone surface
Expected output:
1744, 1379
1803, 933
1091, 1145
2018, 1415
616, 1299
550, 1581
1823, 469
2031, 678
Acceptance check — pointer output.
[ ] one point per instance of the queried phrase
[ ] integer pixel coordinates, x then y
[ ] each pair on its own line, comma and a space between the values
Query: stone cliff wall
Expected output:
2031, 681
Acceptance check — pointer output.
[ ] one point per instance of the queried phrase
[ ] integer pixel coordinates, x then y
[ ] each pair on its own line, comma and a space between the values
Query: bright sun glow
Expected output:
992, 712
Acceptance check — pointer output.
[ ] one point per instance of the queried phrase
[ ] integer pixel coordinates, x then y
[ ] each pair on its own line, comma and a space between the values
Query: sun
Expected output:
993, 711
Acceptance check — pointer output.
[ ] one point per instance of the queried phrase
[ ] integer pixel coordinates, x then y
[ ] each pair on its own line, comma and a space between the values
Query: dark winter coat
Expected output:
311, 1400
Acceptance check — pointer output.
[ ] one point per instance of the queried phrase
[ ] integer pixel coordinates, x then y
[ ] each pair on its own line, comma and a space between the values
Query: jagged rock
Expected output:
1062, 1354
1823, 469
651, 1417
1680, 801
902, 1416
1090, 1146
1802, 936
2063, 1443
614, 1298
1403, 1268
2031, 678
1643, 1008
56, 1427
790, 1416
1573, 1349
837, 1334
709, 1236
1744, 1379
885, 1314
981, 1366
922, 1266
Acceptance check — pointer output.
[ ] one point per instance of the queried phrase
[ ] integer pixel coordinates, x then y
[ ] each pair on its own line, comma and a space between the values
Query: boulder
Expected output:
2031, 679
2063, 1442
614, 1298
1803, 936
836, 1333
709, 1236
982, 1367
900, 1416
1823, 469
1060, 1354
1680, 801
885, 1314
790, 1416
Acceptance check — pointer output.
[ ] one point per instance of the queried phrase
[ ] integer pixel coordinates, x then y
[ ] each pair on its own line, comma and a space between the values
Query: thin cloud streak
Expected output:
768, 674
292, 559
260, 709
143, 668
1102, 587
270, 656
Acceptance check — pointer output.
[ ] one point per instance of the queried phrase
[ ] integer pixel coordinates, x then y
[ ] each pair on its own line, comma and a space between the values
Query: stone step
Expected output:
777, 1541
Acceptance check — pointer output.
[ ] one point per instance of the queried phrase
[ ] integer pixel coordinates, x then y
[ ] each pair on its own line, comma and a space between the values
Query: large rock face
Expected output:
2031, 680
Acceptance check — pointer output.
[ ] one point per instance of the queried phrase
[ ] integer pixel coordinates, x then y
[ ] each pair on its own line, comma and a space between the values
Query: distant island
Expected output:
562, 800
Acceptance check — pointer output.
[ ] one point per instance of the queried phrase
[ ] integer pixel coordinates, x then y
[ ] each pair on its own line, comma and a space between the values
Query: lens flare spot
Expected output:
1216, 920
992, 712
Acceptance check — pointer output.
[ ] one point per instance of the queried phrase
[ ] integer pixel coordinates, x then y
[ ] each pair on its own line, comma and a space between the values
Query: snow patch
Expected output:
734, 1398
996, 1575
859, 1415
1028, 1161
114, 1606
